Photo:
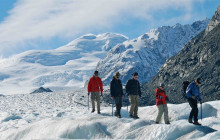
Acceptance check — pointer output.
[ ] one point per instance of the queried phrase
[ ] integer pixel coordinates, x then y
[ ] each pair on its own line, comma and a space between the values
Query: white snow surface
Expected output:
148, 53
64, 115
65, 67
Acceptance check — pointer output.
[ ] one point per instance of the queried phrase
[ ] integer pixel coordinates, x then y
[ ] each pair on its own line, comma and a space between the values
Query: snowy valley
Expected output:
56, 116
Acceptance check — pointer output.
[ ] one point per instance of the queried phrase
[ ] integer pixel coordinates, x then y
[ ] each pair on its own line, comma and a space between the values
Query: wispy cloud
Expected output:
43, 19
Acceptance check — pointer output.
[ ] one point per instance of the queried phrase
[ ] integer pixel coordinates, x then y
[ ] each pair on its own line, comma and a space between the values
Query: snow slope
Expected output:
148, 53
68, 66
57, 116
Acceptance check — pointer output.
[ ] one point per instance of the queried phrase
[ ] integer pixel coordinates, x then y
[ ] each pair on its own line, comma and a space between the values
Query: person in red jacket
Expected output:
161, 103
95, 86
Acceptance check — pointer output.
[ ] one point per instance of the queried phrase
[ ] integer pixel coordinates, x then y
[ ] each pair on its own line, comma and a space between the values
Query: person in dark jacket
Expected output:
116, 91
133, 90
161, 98
193, 94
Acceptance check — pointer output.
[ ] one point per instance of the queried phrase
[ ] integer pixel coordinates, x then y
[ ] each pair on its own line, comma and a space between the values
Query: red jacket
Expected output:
95, 84
158, 93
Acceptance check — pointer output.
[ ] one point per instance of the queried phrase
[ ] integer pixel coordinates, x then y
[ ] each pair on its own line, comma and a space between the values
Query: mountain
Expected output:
214, 21
68, 66
199, 58
147, 53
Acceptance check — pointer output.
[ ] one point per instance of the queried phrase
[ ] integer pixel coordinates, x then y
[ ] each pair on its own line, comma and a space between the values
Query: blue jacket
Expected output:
192, 91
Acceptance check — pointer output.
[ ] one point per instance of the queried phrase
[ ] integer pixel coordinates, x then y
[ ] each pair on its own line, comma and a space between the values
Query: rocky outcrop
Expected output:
41, 90
214, 21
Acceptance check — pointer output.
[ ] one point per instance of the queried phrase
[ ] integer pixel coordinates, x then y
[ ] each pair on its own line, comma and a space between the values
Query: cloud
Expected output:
44, 19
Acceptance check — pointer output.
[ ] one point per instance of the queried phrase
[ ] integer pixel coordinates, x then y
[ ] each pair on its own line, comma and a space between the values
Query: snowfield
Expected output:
69, 66
60, 116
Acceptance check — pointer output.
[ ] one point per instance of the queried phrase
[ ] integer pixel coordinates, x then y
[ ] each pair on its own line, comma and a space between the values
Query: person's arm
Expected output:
189, 89
157, 96
101, 85
139, 89
121, 89
166, 97
111, 88
127, 87
199, 95
89, 85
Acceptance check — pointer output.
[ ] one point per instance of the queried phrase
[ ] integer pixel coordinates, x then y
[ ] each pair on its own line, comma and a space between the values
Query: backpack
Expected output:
185, 85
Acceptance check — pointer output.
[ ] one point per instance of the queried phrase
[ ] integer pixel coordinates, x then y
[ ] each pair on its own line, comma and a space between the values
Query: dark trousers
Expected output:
118, 104
194, 111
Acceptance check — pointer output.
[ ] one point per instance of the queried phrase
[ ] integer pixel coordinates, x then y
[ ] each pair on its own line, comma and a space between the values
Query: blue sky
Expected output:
49, 24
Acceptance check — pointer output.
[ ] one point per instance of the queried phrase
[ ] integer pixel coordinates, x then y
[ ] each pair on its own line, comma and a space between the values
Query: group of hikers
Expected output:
133, 90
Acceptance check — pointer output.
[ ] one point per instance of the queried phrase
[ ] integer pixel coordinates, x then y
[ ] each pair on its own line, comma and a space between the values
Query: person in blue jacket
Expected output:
193, 95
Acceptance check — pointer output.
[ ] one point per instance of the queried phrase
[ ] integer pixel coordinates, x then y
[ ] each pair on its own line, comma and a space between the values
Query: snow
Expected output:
147, 53
66, 67
65, 115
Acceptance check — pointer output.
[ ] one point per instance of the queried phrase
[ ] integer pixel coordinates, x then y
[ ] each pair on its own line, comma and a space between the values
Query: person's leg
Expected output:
98, 101
166, 117
116, 105
93, 101
194, 111
190, 101
119, 105
160, 113
136, 106
132, 102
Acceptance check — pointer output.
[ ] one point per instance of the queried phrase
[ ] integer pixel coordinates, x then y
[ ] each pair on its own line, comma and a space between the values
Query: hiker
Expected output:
133, 90
192, 95
161, 103
95, 86
116, 91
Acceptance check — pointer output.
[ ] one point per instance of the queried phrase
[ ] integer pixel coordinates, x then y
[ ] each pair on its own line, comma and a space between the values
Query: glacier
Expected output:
59, 116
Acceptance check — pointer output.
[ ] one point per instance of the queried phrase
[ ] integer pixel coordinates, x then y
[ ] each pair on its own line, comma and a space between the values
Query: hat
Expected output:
162, 85
198, 80
135, 74
96, 73
117, 74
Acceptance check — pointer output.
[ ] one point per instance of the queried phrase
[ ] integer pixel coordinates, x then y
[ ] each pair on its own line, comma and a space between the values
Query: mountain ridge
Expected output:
199, 58
148, 52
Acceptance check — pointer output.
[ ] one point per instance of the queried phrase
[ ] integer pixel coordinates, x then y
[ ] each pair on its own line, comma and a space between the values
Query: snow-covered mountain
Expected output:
57, 116
67, 66
199, 58
147, 53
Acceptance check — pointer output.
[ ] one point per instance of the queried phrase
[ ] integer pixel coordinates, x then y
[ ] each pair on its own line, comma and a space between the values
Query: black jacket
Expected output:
116, 88
133, 87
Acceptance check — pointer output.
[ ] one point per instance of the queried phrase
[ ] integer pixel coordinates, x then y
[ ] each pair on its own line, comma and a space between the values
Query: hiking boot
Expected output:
131, 116
93, 110
167, 122
119, 116
136, 117
99, 112
190, 121
157, 122
116, 113
196, 123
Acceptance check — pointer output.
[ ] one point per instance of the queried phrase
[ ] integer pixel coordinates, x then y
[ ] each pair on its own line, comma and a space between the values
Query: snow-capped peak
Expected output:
67, 66
147, 53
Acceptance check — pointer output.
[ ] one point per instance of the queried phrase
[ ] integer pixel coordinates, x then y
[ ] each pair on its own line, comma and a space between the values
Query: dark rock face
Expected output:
214, 21
41, 90
199, 58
